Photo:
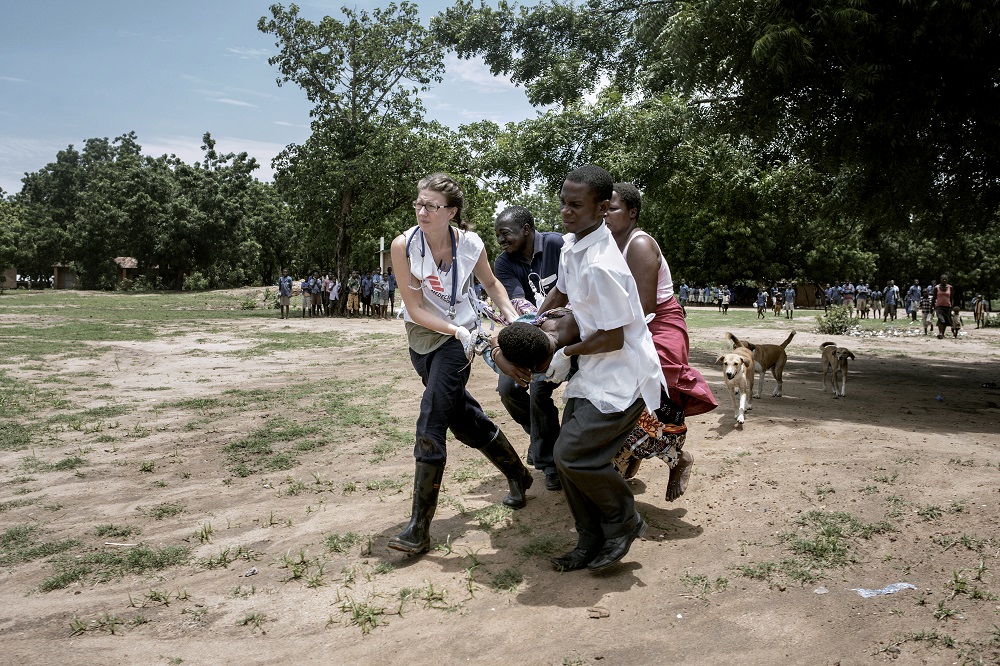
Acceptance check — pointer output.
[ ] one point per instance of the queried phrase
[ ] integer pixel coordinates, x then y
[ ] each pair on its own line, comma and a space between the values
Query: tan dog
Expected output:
766, 357
737, 368
835, 361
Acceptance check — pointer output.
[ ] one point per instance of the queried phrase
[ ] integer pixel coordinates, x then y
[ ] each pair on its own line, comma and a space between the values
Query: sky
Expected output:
170, 71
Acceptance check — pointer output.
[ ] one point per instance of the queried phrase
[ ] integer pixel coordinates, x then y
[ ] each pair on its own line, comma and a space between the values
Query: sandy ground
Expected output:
917, 431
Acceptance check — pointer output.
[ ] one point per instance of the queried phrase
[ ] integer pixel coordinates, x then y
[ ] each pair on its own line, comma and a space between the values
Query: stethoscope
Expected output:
537, 291
454, 257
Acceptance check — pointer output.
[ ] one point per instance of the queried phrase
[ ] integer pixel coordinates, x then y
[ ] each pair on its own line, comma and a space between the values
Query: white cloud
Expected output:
13, 79
249, 54
19, 155
189, 150
476, 72
234, 102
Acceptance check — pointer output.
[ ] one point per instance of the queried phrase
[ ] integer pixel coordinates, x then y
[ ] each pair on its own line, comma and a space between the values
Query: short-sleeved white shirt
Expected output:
436, 285
602, 292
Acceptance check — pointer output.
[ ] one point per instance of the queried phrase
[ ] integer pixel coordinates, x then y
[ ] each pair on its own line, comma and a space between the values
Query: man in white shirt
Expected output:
618, 376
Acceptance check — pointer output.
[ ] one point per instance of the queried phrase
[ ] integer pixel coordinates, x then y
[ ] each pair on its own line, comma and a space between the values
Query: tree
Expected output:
12, 254
894, 100
369, 139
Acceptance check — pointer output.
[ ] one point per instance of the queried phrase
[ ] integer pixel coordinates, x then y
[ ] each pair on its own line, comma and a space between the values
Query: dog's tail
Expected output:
736, 341
827, 344
788, 339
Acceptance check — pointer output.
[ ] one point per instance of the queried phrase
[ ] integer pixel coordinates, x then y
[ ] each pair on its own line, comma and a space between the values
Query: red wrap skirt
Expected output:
670, 337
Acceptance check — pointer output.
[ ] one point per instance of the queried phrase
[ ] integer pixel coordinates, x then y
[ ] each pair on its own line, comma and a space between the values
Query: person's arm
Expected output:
554, 299
598, 342
644, 262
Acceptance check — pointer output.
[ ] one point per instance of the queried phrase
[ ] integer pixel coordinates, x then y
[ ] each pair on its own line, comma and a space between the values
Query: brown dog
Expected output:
835, 361
766, 357
737, 369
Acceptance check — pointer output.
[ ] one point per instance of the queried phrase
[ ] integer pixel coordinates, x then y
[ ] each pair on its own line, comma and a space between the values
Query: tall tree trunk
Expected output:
343, 253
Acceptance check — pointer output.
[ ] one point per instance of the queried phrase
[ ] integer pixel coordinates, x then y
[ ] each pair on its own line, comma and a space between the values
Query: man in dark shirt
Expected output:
528, 269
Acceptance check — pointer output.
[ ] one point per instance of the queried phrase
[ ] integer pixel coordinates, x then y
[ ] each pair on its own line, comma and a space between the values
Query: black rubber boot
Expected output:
519, 479
416, 536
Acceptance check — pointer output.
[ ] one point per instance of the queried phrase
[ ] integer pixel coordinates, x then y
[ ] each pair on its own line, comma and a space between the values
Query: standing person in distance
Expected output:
439, 261
943, 298
284, 293
528, 268
391, 284
790, 301
913, 299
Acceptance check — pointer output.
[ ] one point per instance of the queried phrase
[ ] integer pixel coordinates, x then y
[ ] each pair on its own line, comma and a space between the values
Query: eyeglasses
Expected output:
431, 208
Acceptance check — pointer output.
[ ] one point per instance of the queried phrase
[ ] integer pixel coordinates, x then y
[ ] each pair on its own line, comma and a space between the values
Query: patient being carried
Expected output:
531, 341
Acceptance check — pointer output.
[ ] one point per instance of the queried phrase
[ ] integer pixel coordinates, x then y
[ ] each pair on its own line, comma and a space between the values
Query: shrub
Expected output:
838, 321
248, 303
195, 282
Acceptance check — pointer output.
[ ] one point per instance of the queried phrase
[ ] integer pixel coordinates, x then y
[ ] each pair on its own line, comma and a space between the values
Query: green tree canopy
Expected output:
369, 140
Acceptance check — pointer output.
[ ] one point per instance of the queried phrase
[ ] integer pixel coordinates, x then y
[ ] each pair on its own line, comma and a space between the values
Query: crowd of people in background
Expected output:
370, 294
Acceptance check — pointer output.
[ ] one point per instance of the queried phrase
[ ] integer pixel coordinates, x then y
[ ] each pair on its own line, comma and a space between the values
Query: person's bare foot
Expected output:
679, 476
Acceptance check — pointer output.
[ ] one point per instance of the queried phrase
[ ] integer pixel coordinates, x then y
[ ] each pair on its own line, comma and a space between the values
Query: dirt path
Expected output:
753, 565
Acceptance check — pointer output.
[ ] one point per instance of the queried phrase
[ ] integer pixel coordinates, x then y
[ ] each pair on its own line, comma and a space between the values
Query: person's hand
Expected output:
520, 375
558, 369
463, 335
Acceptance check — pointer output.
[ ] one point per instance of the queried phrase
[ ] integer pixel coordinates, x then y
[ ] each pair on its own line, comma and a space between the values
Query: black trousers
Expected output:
447, 404
600, 500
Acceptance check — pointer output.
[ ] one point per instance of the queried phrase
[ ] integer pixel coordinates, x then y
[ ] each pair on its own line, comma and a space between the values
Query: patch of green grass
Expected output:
256, 452
823, 541
467, 473
33, 464
380, 485
13, 504
700, 585
823, 490
21, 544
165, 510
116, 531
542, 546
252, 620
291, 342
507, 580
200, 404
104, 565
930, 512
494, 515
14, 436
362, 614
340, 543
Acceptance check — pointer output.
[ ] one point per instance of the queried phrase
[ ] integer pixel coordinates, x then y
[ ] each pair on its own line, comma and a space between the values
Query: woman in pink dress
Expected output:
689, 394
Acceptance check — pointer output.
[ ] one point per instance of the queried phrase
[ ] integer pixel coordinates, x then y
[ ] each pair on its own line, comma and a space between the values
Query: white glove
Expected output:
558, 369
463, 335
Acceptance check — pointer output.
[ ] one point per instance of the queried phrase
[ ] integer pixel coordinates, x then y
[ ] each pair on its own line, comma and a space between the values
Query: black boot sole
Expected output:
410, 548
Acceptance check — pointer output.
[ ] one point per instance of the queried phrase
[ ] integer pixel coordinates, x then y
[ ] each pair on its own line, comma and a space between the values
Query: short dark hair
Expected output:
600, 182
630, 194
516, 216
524, 345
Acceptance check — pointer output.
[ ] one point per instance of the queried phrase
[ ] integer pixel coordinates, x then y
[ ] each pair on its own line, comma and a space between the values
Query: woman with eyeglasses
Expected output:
435, 262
